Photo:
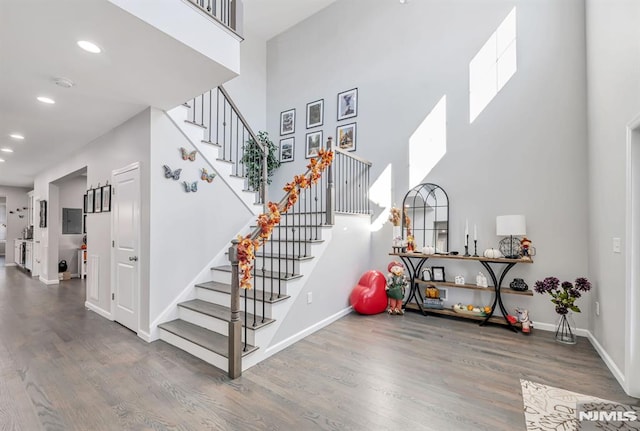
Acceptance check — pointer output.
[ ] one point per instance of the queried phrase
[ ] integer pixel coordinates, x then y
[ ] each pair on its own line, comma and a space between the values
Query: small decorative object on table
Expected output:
564, 296
481, 280
396, 284
493, 253
519, 285
432, 298
394, 218
458, 279
411, 245
437, 273
526, 250
523, 318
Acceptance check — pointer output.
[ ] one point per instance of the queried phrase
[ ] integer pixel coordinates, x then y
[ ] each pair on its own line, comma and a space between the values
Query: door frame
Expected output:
114, 202
632, 277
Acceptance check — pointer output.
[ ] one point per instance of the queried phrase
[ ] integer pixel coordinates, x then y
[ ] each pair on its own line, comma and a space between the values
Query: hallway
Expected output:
65, 368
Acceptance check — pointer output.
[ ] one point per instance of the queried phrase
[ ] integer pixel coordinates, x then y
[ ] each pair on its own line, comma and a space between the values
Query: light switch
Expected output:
616, 245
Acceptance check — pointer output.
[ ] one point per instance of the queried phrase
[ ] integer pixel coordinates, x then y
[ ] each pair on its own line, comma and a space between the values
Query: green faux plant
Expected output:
252, 160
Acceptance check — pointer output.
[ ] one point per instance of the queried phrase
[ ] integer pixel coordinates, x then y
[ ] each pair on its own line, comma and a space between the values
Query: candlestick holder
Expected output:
475, 248
466, 246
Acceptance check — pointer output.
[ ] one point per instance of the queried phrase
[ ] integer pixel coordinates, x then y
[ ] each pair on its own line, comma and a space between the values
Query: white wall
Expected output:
186, 229
249, 90
70, 195
614, 100
524, 154
123, 145
16, 197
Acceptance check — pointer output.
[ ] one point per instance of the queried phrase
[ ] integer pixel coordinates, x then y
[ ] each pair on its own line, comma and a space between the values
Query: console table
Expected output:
414, 262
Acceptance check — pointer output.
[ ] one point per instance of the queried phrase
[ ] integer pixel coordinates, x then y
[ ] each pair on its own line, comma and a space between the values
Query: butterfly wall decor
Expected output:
191, 156
206, 176
190, 187
168, 173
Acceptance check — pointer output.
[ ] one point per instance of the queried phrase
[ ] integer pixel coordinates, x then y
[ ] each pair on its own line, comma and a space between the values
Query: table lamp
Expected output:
510, 226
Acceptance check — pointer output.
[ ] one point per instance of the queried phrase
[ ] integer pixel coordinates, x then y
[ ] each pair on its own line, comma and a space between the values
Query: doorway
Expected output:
125, 235
632, 324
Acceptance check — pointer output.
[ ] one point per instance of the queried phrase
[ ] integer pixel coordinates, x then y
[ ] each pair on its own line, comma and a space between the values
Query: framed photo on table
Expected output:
287, 122
347, 136
437, 273
286, 149
313, 143
348, 104
315, 113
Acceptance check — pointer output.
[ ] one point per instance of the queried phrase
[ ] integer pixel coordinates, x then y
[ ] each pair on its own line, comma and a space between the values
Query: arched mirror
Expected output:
427, 206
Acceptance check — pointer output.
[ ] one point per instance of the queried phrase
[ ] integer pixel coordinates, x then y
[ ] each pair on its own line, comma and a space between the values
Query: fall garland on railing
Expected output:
267, 221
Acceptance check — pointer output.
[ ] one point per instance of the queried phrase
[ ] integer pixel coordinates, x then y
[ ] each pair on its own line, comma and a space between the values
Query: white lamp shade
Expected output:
511, 225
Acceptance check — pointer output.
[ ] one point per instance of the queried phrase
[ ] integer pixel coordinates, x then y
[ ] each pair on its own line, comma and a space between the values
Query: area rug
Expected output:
547, 408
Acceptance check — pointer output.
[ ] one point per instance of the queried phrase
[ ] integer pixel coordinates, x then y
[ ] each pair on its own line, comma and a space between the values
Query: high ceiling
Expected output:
38, 45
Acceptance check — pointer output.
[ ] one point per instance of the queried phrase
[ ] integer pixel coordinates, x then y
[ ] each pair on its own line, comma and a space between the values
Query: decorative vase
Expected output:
566, 329
397, 236
518, 284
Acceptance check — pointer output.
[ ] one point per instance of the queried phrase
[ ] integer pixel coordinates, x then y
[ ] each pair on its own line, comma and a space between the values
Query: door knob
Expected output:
133, 258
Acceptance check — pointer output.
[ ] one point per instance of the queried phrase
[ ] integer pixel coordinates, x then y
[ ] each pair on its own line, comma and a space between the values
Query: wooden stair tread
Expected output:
204, 338
223, 313
226, 288
267, 274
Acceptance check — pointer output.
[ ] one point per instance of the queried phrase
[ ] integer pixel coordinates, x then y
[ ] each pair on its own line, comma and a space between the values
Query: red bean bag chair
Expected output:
369, 295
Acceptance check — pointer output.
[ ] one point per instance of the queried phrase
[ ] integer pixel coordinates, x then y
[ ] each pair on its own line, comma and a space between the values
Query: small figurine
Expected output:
459, 279
525, 244
481, 280
396, 283
523, 318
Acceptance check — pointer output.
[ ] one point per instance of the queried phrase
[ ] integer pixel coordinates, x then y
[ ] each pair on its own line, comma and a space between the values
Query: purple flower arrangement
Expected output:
564, 295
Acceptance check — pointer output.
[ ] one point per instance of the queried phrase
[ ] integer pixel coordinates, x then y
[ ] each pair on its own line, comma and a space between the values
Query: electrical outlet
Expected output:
309, 297
597, 308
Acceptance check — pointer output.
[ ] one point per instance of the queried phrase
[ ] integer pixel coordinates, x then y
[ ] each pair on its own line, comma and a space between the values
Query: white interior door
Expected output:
126, 245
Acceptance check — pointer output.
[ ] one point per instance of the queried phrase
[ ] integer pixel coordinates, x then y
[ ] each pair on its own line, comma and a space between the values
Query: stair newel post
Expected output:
330, 217
235, 324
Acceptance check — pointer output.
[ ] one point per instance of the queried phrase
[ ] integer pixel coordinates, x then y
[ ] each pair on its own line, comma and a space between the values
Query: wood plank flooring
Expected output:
65, 368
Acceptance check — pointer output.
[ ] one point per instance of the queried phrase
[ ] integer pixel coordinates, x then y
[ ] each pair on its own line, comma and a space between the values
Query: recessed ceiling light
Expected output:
46, 100
7, 150
17, 136
89, 46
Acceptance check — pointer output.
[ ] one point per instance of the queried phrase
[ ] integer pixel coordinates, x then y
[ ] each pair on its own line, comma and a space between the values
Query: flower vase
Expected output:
397, 236
566, 329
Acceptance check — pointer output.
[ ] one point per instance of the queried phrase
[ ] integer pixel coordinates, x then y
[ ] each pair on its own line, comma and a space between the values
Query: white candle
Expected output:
475, 232
466, 232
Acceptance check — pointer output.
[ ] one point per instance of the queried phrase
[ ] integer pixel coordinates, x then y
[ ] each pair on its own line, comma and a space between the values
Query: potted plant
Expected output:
252, 160
564, 297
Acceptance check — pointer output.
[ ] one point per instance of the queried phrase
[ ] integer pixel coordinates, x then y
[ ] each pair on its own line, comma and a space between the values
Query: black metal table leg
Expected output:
497, 300
413, 271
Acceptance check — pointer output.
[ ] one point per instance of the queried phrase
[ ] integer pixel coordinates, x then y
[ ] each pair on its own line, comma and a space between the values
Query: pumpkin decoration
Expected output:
429, 249
432, 292
493, 253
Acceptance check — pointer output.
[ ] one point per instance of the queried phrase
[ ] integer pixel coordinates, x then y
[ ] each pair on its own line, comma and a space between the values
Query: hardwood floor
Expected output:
65, 368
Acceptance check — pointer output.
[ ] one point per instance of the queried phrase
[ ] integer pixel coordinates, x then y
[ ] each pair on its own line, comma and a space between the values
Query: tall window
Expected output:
493, 66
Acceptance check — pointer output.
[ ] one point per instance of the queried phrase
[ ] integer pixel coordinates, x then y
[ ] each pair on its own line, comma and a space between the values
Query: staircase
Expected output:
204, 323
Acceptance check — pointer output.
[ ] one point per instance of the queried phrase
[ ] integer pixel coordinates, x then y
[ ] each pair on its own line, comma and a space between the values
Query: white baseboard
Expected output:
10, 264
96, 309
305, 332
48, 282
145, 336
619, 375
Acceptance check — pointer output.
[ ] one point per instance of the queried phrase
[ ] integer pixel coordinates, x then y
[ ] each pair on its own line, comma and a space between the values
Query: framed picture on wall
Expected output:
43, 214
90, 200
347, 136
84, 208
106, 198
97, 200
313, 143
315, 113
286, 149
287, 122
348, 104
84, 223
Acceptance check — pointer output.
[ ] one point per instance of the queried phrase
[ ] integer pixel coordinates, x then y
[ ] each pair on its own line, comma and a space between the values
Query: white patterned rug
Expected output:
548, 408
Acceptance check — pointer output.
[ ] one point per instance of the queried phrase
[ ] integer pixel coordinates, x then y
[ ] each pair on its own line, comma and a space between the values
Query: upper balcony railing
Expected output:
227, 12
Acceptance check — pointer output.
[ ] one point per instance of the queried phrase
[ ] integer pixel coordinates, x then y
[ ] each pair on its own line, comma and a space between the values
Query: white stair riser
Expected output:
199, 352
275, 310
291, 218
212, 323
289, 249
256, 282
274, 264
291, 232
